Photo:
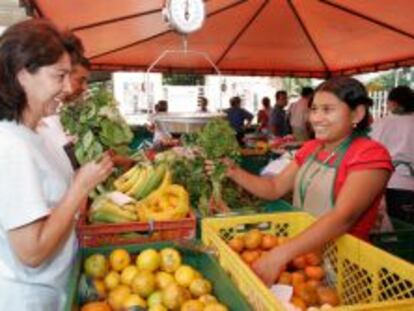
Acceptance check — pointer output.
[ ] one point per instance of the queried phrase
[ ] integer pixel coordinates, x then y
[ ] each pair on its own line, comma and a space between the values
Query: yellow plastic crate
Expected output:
366, 277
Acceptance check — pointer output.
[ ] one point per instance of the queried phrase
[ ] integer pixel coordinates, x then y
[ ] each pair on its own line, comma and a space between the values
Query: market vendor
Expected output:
37, 205
339, 177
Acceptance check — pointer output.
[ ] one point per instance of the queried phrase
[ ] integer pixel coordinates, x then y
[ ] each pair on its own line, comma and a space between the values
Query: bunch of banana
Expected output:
105, 211
168, 202
139, 182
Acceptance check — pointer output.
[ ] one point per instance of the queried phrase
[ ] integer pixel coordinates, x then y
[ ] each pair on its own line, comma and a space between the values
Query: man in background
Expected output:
278, 120
298, 115
238, 117
202, 104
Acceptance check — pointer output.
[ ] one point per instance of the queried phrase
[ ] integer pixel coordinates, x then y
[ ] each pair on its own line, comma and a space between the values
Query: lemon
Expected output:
119, 259
143, 283
215, 307
208, 299
170, 260
128, 274
149, 260
134, 300
96, 266
112, 280
154, 299
117, 296
192, 305
184, 275
158, 308
163, 279
200, 287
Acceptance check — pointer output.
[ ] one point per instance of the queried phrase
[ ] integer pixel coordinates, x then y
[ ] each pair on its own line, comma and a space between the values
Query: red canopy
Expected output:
307, 38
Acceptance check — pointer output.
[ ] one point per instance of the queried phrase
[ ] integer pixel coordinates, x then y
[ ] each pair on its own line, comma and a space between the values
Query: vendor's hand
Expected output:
268, 267
93, 173
209, 166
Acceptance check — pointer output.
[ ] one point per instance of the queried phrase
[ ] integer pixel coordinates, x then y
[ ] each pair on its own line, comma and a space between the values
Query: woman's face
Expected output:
45, 88
330, 118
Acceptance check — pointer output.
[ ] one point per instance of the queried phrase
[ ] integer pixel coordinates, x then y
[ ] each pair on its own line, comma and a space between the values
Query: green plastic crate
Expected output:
223, 288
279, 206
255, 163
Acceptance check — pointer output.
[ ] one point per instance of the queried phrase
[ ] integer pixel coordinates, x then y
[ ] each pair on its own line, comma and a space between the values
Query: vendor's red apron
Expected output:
314, 183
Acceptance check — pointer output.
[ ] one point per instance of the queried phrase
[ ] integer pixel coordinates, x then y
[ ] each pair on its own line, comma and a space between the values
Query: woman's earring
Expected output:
354, 125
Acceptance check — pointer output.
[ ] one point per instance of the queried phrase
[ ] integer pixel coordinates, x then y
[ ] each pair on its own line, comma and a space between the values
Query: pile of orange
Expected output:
305, 273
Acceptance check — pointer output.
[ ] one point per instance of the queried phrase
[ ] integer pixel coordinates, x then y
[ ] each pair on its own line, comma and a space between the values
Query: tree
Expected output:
182, 79
295, 85
387, 80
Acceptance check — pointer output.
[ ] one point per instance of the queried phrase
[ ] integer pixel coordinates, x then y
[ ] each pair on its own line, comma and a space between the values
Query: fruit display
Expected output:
305, 274
150, 280
144, 193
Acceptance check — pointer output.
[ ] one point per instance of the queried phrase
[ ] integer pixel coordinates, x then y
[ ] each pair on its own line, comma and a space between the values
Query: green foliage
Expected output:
183, 79
98, 126
295, 85
217, 140
190, 174
387, 80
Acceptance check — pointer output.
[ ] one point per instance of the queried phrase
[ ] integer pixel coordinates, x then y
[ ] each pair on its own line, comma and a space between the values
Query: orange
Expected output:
96, 306
313, 259
315, 272
269, 241
328, 295
236, 244
299, 262
253, 239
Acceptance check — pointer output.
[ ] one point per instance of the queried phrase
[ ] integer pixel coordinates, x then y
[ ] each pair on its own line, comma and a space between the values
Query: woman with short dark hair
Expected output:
37, 205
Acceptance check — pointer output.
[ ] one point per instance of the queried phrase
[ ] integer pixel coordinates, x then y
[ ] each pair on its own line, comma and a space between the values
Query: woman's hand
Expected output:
93, 173
269, 266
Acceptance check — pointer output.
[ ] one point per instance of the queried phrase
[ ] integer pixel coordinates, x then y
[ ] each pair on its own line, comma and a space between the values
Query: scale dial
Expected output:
185, 16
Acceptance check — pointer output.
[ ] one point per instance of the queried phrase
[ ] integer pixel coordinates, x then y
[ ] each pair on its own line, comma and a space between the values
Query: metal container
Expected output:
184, 122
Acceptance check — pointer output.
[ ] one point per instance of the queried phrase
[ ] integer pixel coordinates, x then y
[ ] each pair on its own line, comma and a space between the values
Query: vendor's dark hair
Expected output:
404, 97
351, 92
30, 44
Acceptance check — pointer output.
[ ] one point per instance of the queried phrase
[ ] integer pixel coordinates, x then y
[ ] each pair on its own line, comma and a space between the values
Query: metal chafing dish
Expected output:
183, 122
